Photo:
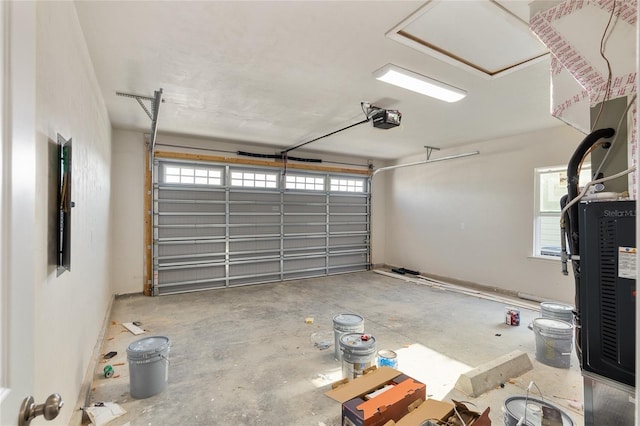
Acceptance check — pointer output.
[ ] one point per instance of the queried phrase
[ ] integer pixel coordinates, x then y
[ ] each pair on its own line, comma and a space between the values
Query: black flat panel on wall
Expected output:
607, 289
64, 205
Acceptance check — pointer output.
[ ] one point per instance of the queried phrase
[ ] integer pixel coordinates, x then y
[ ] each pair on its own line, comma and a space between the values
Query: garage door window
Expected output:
347, 185
192, 175
251, 179
309, 183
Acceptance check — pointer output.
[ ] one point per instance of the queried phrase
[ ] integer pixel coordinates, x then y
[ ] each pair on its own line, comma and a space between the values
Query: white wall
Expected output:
127, 267
471, 219
128, 188
70, 309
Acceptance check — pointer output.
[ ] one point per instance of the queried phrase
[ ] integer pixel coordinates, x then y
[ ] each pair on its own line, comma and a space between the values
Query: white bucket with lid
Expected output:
554, 342
148, 366
358, 354
343, 324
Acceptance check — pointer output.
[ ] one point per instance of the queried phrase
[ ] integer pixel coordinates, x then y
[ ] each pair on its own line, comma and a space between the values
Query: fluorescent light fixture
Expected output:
418, 83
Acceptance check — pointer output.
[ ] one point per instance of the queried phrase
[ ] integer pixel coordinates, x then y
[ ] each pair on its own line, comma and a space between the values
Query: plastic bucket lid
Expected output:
386, 353
347, 320
559, 308
516, 406
148, 347
550, 324
358, 343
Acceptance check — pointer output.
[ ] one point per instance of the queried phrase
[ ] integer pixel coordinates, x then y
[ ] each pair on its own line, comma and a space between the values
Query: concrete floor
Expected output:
244, 356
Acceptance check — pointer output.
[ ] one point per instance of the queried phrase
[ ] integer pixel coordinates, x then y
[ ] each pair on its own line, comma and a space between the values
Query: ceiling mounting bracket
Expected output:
139, 99
153, 114
430, 149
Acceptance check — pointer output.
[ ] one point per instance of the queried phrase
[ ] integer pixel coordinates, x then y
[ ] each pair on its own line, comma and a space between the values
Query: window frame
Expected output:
363, 181
537, 245
196, 167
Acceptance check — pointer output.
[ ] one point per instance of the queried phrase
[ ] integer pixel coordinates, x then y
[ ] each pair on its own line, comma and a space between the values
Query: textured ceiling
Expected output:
280, 73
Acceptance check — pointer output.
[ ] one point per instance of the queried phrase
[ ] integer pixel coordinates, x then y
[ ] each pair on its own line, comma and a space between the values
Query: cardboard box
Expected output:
429, 409
391, 404
440, 412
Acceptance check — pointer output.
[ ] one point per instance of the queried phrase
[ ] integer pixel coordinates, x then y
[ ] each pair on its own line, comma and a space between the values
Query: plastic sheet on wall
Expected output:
573, 31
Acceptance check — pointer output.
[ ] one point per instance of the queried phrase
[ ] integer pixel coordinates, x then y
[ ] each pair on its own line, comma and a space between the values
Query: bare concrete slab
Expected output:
489, 375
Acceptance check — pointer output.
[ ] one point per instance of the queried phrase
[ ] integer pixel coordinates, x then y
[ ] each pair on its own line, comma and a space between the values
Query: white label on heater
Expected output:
627, 262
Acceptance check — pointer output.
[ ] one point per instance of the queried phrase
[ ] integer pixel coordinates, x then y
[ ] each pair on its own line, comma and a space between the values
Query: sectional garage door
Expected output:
221, 225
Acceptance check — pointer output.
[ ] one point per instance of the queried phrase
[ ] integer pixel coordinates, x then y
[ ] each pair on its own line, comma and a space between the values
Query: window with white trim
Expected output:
192, 175
551, 186
347, 184
309, 183
251, 179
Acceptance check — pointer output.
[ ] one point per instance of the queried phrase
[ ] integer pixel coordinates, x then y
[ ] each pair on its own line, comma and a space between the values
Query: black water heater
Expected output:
607, 297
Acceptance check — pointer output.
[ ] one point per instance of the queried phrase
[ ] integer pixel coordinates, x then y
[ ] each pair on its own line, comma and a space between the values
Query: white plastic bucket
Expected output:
344, 324
554, 342
148, 366
358, 354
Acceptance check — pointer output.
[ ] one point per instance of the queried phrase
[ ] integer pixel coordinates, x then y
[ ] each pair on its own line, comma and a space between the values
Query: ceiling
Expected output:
279, 73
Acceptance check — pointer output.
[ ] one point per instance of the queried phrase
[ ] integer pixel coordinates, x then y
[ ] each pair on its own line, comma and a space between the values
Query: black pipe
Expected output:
573, 178
570, 217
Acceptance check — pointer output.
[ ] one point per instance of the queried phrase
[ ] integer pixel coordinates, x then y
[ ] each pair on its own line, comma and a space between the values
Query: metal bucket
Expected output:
557, 311
343, 324
358, 354
148, 366
554, 340
516, 407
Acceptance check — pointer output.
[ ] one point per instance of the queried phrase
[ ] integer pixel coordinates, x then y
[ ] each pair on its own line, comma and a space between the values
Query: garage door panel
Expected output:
238, 195
273, 208
347, 218
301, 264
187, 248
190, 274
305, 218
255, 268
188, 287
184, 207
190, 194
360, 208
249, 219
302, 198
254, 245
350, 259
238, 231
348, 228
254, 230
347, 240
190, 231
305, 241
191, 219
319, 208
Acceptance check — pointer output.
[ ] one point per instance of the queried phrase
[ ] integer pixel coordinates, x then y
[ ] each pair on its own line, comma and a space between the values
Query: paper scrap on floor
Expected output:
133, 328
103, 414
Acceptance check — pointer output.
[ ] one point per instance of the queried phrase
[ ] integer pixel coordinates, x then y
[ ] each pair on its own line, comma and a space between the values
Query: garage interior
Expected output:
233, 175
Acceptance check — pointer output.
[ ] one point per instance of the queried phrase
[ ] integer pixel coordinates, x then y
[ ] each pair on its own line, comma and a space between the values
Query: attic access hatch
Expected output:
487, 39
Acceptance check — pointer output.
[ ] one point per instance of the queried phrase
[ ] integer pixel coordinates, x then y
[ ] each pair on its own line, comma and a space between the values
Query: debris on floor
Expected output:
133, 328
308, 320
322, 339
110, 355
102, 413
